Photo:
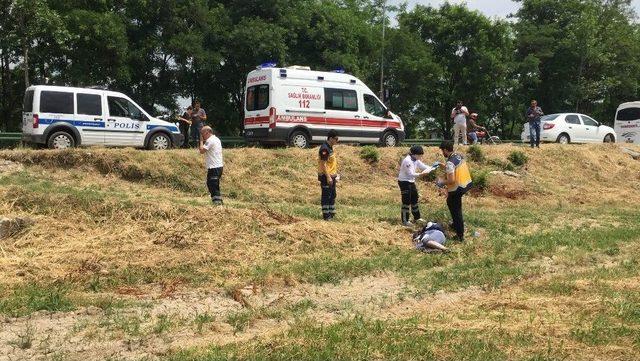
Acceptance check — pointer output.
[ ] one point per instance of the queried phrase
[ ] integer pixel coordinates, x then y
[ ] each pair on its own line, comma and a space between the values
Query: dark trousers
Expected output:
328, 197
213, 183
534, 133
409, 194
195, 132
184, 129
454, 202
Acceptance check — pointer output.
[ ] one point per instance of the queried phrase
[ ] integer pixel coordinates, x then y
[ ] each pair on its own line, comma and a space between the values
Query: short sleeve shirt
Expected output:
213, 154
197, 116
461, 117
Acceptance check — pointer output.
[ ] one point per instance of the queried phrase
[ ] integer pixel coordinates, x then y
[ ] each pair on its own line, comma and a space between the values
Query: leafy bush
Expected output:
518, 158
370, 154
476, 154
480, 179
501, 164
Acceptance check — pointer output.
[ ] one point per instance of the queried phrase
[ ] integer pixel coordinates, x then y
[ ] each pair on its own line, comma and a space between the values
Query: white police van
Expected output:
62, 117
298, 106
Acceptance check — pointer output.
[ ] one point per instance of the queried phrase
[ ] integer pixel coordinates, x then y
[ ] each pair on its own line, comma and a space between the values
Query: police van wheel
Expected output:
389, 139
299, 139
61, 140
160, 141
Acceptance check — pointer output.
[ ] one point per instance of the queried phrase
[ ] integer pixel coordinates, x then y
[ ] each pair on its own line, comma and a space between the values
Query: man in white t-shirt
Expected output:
410, 169
459, 116
211, 147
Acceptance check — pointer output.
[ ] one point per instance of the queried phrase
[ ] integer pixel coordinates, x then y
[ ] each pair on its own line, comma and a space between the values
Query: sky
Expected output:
499, 8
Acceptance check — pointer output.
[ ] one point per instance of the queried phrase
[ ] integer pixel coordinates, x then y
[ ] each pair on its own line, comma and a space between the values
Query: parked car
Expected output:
62, 117
567, 128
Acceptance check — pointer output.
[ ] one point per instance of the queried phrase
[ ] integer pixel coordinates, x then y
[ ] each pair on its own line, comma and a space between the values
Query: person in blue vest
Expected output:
457, 183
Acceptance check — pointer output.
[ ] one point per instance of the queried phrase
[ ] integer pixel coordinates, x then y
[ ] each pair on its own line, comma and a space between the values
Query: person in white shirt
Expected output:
410, 169
459, 116
211, 147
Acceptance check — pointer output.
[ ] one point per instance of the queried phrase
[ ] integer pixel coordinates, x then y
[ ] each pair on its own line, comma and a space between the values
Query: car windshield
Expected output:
549, 118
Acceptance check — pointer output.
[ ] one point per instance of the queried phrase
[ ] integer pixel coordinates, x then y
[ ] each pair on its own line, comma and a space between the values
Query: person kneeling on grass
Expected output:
430, 239
211, 147
410, 169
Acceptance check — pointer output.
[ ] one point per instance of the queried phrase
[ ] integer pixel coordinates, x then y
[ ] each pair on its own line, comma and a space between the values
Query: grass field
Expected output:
122, 257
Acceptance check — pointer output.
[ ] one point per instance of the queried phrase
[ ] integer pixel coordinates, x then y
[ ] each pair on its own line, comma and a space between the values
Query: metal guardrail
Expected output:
12, 139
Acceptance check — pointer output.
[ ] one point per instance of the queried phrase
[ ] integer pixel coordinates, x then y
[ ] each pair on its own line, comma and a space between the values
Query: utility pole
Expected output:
384, 17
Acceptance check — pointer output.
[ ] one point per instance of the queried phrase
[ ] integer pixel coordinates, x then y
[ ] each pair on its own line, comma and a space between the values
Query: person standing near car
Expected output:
472, 127
459, 116
457, 183
185, 122
328, 175
410, 169
533, 117
198, 117
211, 147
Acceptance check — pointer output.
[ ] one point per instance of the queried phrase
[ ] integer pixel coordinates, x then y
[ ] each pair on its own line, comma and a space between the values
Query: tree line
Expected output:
570, 55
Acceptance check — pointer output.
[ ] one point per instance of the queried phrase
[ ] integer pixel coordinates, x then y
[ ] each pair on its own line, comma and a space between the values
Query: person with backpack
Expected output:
328, 175
457, 183
410, 169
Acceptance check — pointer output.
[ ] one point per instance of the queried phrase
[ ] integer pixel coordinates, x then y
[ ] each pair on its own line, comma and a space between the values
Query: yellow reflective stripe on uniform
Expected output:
461, 176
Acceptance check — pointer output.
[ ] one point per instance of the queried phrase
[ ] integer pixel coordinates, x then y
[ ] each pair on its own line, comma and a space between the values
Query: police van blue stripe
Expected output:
81, 123
173, 129
76, 123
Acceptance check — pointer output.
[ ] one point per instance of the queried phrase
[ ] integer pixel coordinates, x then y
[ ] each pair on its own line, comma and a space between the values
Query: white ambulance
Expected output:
627, 123
62, 117
298, 106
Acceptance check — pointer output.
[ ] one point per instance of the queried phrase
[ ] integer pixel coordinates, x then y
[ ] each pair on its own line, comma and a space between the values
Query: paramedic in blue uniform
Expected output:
211, 147
328, 175
410, 169
457, 183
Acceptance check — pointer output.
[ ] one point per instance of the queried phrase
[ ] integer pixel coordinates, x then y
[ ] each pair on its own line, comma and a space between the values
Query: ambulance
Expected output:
298, 107
627, 122
63, 117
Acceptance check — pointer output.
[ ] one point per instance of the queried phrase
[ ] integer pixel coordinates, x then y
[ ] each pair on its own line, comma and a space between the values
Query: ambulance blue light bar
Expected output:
339, 70
269, 64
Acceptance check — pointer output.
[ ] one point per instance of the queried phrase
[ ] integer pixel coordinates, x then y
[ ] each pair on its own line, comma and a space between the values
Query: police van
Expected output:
62, 117
298, 106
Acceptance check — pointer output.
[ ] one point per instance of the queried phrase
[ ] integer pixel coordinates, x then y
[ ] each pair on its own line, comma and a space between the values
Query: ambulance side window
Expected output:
373, 106
56, 102
257, 97
340, 99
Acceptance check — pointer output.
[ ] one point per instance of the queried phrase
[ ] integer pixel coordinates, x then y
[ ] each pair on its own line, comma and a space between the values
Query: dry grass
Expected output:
136, 224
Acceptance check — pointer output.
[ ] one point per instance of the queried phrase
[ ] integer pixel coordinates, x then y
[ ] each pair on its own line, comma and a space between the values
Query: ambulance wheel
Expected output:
299, 139
389, 139
61, 140
160, 141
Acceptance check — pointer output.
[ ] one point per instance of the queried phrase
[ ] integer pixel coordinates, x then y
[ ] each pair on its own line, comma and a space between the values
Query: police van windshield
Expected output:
120, 107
